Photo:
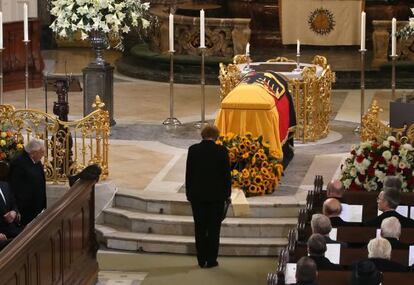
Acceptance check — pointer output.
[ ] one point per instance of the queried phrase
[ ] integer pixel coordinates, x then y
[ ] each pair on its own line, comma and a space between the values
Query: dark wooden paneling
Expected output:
59, 247
14, 56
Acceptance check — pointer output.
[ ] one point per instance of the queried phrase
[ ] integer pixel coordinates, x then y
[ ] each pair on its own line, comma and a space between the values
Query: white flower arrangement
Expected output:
407, 31
370, 162
113, 17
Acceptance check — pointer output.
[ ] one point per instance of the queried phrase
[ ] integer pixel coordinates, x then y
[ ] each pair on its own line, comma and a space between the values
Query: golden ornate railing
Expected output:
374, 129
311, 95
70, 146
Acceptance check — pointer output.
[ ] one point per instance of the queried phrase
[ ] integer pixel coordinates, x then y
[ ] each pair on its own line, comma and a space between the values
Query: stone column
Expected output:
98, 79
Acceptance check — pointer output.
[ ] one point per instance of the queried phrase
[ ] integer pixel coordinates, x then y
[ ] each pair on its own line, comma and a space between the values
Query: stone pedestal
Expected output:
99, 80
401, 112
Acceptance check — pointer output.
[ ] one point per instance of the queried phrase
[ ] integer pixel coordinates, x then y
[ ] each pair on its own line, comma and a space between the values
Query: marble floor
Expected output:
146, 156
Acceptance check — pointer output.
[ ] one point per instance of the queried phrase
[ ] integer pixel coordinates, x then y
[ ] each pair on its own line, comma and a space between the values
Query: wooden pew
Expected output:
343, 278
350, 255
59, 246
363, 236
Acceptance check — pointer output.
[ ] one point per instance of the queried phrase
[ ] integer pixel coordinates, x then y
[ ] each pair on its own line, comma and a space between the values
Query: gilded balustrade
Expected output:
374, 129
70, 146
311, 95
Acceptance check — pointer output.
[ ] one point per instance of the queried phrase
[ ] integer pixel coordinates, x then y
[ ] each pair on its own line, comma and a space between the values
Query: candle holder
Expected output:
393, 79
297, 69
1, 75
362, 52
171, 121
26, 75
203, 122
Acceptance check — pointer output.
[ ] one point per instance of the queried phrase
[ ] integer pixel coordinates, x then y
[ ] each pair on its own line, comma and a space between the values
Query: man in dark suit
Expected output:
27, 181
208, 186
388, 201
306, 271
391, 231
316, 251
332, 209
321, 224
10, 216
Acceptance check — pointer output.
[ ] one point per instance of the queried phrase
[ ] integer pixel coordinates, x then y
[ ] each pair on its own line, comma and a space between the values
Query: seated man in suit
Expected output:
388, 201
335, 189
306, 271
316, 251
27, 180
391, 231
379, 252
332, 209
10, 216
321, 224
365, 273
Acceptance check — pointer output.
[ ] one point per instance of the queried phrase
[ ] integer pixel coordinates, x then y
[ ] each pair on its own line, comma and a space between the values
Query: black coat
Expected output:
396, 244
337, 222
9, 229
323, 263
28, 184
329, 240
388, 265
207, 177
376, 222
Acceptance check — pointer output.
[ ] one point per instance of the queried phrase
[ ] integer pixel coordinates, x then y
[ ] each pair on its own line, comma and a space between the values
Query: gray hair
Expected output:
316, 244
379, 248
391, 228
392, 182
34, 145
320, 224
392, 196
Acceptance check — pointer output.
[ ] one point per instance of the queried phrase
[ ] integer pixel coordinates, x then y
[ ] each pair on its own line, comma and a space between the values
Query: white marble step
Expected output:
121, 239
144, 222
176, 204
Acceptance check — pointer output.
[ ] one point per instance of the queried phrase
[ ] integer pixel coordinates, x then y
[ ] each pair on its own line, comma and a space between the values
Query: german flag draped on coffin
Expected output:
261, 104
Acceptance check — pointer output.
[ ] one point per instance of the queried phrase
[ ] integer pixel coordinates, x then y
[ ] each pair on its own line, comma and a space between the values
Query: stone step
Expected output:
176, 204
143, 222
121, 239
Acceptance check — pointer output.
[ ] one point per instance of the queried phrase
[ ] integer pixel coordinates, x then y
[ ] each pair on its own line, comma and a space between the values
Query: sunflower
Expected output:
242, 147
234, 184
264, 170
248, 134
263, 156
246, 182
245, 173
245, 155
268, 176
253, 147
265, 164
232, 156
252, 189
258, 179
234, 172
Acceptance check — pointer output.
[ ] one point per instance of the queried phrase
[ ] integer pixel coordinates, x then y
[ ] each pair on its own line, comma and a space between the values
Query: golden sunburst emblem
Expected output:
321, 21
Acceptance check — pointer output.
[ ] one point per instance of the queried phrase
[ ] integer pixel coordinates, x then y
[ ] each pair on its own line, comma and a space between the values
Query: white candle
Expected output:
297, 46
1, 30
363, 25
202, 30
394, 37
248, 49
171, 32
25, 22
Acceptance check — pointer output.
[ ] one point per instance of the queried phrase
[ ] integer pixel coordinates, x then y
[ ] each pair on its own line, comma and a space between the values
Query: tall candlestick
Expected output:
297, 46
1, 30
363, 28
248, 49
394, 37
25, 21
171, 32
202, 30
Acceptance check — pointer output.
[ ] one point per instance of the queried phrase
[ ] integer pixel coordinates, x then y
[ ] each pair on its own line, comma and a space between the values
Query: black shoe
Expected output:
202, 264
212, 264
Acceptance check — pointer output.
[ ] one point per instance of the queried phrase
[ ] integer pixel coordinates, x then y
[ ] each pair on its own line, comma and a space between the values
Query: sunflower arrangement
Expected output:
371, 161
9, 144
254, 169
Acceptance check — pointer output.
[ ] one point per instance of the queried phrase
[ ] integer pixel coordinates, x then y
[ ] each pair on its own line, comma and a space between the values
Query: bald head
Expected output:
331, 207
335, 189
